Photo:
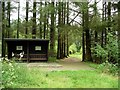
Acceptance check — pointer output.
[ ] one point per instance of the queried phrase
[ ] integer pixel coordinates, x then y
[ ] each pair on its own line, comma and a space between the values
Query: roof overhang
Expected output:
25, 39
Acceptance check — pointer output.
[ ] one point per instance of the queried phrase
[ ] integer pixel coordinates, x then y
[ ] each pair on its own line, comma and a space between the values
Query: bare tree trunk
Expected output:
47, 26
59, 31
109, 16
83, 38
109, 25
45, 22
102, 37
26, 28
67, 30
64, 43
88, 38
95, 12
18, 20
52, 30
119, 32
105, 28
34, 20
8, 17
40, 22
3, 28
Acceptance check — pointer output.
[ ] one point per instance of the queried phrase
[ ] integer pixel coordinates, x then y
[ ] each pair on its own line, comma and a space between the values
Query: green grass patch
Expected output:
77, 55
33, 77
52, 59
65, 79
93, 65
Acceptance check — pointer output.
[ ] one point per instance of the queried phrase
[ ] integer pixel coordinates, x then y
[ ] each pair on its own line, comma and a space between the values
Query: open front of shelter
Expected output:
27, 49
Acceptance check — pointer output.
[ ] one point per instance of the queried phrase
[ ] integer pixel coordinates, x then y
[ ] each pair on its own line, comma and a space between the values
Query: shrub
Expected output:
109, 52
99, 52
73, 48
109, 68
8, 72
12, 73
112, 48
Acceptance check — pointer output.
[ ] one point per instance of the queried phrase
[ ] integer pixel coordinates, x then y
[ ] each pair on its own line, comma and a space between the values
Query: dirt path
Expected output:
64, 64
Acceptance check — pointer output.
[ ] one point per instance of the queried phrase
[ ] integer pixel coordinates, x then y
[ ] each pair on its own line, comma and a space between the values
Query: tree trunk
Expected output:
64, 43
109, 16
119, 32
96, 33
34, 20
47, 26
109, 25
95, 12
8, 17
3, 28
26, 28
18, 20
88, 38
45, 22
62, 20
105, 28
83, 38
67, 44
102, 37
59, 32
40, 22
52, 30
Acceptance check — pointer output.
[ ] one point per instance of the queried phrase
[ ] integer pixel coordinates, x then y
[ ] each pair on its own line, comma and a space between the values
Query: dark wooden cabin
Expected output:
31, 49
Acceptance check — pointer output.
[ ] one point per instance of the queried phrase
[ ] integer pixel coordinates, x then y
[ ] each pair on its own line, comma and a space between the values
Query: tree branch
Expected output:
74, 18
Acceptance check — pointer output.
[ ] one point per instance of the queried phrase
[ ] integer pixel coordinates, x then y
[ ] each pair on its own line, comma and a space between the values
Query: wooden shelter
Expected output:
27, 49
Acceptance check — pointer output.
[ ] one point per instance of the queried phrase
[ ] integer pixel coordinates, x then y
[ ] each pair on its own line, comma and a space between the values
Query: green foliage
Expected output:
77, 55
73, 48
78, 46
52, 59
8, 73
96, 23
110, 50
13, 73
99, 52
105, 68
109, 68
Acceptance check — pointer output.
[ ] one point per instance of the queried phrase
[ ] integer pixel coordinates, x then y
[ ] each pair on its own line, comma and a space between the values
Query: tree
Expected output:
3, 28
83, 36
8, 18
52, 29
118, 5
40, 20
95, 14
18, 19
45, 18
67, 44
59, 33
87, 32
64, 36
26, 28
109, 16
34, 20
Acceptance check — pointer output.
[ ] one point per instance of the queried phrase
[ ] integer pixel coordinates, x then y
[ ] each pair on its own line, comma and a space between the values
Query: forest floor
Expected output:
70, 63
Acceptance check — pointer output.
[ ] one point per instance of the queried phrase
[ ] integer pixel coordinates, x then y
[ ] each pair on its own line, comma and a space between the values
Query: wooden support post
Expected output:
27, 51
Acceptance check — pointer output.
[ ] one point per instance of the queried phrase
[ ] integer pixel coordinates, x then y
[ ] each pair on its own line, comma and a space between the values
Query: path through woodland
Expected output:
70, 63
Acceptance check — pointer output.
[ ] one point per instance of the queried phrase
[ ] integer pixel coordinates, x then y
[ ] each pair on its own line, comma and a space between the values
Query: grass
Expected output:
34, 77
52, 59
